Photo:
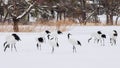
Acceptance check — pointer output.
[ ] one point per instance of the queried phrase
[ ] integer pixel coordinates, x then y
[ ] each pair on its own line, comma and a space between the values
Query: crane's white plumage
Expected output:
53, 42
96, 36
11, 41
54, 33
53, 38
40, 41
113, 37
73, 41
102, 39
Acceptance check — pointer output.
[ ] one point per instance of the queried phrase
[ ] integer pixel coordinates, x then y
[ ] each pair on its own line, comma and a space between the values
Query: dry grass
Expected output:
6, 27
41, 26
59, 25
93, 24
38, 26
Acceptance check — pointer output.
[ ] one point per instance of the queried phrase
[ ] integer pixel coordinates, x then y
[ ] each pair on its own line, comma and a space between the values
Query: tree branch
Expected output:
26, 12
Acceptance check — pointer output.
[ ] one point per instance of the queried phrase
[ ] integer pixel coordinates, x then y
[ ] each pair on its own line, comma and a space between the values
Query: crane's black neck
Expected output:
69, 36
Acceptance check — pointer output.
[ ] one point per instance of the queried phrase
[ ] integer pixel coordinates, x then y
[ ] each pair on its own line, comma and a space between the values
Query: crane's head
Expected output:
59, 32
47, 32
115, 31
69, 35
99, 32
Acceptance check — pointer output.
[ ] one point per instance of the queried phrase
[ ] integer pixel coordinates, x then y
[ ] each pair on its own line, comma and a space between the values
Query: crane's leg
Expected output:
15, 47
74, 49
40, 46
111, 41
103, 42
5, 43
7, 46
115, 41
12, 47
98, 40
37, 46
52, 49
89, 39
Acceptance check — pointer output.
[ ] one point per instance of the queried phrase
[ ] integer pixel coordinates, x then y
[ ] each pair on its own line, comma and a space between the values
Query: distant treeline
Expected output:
46, 10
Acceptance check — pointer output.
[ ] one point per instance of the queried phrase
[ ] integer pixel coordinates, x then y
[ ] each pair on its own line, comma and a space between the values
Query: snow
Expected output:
102, 19
89, 55
32, 19
89, 2
5, 1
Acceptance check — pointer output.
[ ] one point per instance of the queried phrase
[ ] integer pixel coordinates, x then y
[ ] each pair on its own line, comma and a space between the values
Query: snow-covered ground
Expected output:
89, 55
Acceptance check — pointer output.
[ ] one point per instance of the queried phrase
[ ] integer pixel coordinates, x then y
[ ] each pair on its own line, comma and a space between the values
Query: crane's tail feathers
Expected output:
79, 43
57, 45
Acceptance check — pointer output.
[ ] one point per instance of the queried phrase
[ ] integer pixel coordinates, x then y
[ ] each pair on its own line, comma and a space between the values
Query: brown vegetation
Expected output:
38, 26
41, 26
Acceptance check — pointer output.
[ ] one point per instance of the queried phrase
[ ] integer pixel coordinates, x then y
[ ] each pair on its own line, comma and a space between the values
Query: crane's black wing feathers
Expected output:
78, 42
16, 37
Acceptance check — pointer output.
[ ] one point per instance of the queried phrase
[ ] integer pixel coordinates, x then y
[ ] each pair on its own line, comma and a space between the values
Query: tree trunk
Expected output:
117, 19
15, 27
111, 19
107, 18
15, 24
5, 17
83, 12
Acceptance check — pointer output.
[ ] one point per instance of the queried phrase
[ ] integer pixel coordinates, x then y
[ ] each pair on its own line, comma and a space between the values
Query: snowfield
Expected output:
89, 55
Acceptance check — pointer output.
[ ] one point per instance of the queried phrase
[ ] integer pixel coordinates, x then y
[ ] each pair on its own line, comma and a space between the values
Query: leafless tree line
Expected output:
45, 10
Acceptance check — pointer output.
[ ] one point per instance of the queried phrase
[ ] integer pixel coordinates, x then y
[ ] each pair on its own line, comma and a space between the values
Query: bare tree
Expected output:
15, 14
110, 7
